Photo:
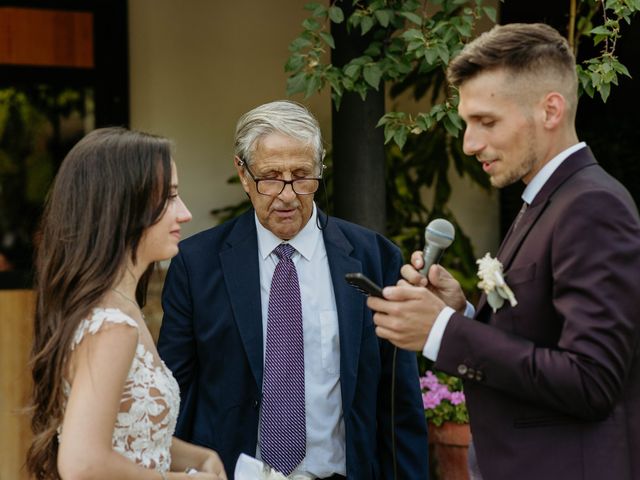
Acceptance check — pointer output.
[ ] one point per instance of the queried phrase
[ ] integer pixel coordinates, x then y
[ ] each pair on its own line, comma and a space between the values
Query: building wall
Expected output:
197, 65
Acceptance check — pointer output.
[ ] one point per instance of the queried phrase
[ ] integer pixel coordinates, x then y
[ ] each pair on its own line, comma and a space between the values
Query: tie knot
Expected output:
284, 250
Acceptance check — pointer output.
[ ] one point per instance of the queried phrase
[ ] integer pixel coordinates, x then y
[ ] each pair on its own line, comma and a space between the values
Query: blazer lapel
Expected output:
241, 275
512, 241
349, 305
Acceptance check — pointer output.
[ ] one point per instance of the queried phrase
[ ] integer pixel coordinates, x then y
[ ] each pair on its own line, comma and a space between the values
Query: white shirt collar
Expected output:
304, 242
536, 184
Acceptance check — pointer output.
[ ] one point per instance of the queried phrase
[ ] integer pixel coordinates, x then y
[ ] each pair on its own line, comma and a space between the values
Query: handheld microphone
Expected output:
438, 235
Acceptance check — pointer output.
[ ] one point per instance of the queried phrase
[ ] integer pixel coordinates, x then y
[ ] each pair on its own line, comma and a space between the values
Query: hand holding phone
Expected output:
364, 284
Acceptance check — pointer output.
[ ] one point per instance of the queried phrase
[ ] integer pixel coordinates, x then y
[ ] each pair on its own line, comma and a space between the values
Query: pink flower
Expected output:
443, 400
429, 400
457, 398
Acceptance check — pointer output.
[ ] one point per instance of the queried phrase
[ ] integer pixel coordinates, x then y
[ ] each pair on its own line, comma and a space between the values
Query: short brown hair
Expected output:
516, 47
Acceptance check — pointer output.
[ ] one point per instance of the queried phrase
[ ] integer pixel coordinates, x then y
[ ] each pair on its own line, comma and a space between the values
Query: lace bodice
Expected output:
150, 399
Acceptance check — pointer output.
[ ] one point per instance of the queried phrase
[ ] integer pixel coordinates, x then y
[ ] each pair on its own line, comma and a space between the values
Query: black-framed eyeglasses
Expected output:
274, 186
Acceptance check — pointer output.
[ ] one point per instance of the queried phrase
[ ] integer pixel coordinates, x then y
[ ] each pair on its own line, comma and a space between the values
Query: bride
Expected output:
104, 404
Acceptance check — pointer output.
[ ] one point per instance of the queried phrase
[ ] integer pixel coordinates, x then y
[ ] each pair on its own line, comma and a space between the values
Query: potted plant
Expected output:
448, 422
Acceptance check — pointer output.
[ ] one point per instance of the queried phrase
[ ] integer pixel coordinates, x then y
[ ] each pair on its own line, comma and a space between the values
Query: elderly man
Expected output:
275, 354
552, 376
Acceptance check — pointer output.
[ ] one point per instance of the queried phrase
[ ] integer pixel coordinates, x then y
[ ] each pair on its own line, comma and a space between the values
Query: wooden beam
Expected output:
39, 37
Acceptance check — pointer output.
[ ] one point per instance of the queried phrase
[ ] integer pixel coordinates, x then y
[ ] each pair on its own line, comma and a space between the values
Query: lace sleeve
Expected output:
98, 318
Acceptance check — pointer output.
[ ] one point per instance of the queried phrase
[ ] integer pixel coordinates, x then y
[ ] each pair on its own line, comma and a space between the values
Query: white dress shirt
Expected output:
432, 346
325, 453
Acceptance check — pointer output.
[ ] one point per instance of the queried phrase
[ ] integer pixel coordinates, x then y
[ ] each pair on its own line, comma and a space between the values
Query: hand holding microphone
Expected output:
438, 235
408, 311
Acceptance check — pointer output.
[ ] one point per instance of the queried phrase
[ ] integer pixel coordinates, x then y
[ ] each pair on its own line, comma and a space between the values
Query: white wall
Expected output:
197, 65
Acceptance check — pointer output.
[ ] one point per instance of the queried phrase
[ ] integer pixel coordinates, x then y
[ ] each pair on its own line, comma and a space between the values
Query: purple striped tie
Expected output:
283, 433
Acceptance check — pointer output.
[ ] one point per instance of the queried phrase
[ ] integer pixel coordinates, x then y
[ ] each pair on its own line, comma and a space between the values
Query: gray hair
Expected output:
283, 116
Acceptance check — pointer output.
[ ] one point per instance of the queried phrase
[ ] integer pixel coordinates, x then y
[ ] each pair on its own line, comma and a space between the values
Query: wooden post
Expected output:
16, 333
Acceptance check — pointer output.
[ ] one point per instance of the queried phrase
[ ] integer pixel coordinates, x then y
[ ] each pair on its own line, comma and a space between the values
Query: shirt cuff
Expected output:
432, 347
469, 311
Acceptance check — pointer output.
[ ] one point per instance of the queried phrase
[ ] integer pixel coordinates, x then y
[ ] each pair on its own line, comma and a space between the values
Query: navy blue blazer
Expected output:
211, 338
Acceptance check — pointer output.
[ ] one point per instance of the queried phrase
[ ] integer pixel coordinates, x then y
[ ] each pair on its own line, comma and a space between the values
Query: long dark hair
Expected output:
110, 187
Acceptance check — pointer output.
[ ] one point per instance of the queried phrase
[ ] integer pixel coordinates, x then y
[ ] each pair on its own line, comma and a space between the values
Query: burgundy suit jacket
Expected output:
553, 384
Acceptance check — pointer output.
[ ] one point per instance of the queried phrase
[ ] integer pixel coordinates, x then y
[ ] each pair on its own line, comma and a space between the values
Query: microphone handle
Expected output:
431, 254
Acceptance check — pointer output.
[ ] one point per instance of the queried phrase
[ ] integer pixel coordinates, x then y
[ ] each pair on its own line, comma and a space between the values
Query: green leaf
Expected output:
400, 136
412, 17
388, 133
443, 53
311, 24
413, 34
295, 63
589, 89
337, 100
354, 20
336, 14
296, 84
383, 121
455, 119
374, 49
328, 39
366, 24
317, 9
424, 122
604, 91
352, 70
620, 68
383, 17
372, 75
430, 55
597, 39
313, 85
491, 13
451, 128
361, 90
601, 30
299, 44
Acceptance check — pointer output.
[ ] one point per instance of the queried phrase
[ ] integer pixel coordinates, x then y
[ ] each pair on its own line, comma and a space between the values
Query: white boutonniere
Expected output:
492, 282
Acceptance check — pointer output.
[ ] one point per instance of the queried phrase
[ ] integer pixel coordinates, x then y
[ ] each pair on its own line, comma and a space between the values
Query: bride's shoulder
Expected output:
103, 320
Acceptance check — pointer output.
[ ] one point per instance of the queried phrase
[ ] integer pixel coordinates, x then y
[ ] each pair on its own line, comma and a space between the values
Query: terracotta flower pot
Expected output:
448, 448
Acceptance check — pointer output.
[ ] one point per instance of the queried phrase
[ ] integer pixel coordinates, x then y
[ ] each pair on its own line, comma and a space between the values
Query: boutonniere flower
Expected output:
492, 282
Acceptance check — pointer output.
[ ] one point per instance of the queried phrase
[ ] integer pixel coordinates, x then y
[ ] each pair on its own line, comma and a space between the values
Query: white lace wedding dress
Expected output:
150, 399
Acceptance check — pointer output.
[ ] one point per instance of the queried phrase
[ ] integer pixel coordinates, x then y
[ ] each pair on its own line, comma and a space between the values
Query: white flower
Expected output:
492, 282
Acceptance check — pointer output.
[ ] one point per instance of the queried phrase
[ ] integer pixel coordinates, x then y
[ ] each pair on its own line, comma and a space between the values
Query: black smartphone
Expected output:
364, 284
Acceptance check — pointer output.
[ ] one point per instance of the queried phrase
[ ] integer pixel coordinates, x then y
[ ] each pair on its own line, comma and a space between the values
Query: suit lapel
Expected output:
349, 305
241, 269
512, 241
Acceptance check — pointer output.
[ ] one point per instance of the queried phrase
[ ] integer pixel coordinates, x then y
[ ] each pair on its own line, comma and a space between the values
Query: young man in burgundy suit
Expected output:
552, 382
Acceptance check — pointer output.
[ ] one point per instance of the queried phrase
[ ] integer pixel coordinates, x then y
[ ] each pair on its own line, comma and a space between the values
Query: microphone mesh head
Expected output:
440, 232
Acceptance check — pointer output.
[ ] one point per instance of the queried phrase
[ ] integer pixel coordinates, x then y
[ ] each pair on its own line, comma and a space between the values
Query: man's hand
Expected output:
405, 315
440, 282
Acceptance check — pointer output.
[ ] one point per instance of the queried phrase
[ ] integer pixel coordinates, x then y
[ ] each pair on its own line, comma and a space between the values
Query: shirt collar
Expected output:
304, 242
536, 184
